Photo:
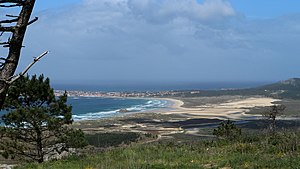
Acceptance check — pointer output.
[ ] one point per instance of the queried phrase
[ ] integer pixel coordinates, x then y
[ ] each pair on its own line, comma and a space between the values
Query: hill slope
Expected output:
284, 89
250, 151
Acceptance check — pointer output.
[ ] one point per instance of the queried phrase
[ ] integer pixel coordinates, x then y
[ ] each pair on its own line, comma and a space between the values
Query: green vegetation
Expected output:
254, 151
227, 130
271, 114
36, 125
288, 89
276, 149
111, 139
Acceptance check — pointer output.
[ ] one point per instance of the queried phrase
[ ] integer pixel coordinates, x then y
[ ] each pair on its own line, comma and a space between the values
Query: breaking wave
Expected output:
145, 106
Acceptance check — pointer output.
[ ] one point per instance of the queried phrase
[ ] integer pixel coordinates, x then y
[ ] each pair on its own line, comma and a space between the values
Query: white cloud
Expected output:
158, 39
167, 10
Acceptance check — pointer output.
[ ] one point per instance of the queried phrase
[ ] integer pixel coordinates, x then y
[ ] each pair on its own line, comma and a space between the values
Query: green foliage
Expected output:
111, 139
228, 130
247, 152
289, 89
36, 124
271, 114
283, 142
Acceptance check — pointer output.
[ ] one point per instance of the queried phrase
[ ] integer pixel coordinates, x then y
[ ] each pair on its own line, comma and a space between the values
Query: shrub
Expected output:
227, 130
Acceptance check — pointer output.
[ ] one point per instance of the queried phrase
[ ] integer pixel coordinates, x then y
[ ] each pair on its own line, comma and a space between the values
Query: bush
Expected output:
227, 130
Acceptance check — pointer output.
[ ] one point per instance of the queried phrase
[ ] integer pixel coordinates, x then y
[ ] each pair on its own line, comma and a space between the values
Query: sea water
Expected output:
91, 108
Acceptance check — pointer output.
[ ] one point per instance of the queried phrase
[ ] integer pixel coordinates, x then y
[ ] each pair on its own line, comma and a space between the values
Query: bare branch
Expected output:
28, 67
9, 20
32, 21
4, 43
9, 6
7, 29
14, 78
11, 1
12, 16
20, 2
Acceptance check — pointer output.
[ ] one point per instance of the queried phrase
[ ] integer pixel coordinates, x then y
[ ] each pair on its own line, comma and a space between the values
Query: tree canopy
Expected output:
36, 125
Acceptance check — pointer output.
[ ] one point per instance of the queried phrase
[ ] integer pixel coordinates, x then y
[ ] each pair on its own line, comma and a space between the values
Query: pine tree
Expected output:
37, 123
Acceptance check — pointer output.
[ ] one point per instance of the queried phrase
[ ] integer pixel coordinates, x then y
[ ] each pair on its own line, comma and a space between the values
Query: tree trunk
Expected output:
15, 46
39, 145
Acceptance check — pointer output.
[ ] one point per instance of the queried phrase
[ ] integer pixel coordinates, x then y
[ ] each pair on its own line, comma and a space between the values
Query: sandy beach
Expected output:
180, 117
232, 109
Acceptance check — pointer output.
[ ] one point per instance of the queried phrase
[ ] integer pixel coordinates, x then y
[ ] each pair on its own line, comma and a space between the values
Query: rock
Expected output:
5, 166
123, 111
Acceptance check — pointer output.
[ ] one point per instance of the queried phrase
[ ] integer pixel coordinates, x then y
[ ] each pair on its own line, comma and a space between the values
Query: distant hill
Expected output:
290, 84
284, 89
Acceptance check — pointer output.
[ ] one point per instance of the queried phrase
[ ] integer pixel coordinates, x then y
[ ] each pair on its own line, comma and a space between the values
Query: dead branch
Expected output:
28, 67
20, 2
9, 20
12, 16
16, 26
16, 77
7, 29
10, 6
32, 21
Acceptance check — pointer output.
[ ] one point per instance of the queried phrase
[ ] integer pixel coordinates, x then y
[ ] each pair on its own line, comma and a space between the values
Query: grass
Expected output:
255, 151
111, 139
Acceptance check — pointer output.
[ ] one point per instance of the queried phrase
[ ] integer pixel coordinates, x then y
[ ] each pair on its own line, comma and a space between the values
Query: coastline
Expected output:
141, 105
232, 109
177, 119
175, 103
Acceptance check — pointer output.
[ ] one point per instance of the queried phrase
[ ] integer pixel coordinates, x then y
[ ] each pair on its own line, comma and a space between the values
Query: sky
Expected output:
165, 41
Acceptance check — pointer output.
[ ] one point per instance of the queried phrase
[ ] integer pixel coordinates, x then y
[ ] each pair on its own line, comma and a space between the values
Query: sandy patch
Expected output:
178, 119
235, 110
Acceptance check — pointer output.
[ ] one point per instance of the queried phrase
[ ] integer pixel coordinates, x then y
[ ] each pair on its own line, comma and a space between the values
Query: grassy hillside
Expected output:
284, 89
183, 151
260, 151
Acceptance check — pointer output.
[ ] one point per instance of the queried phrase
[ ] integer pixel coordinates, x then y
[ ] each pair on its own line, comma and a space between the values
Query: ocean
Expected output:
91, 108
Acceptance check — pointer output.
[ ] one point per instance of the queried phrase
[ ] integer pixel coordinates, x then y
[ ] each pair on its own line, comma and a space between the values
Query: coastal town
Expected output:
77, 93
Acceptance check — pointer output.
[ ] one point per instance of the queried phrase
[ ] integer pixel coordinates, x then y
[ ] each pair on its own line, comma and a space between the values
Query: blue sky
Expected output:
52, 4
113, 41
251, 8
